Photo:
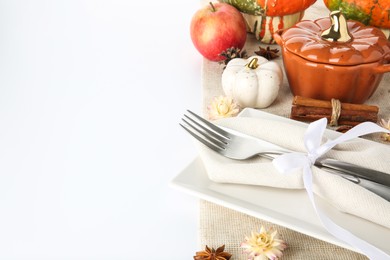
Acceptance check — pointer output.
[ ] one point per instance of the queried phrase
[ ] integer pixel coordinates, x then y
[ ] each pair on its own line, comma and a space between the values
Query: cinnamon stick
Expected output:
310, 102
308, 110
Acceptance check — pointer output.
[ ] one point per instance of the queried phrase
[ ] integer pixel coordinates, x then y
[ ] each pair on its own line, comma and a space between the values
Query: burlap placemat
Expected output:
219, 225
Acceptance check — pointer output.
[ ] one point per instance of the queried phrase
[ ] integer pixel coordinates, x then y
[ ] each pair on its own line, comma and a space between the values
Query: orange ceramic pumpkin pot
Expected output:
324, 69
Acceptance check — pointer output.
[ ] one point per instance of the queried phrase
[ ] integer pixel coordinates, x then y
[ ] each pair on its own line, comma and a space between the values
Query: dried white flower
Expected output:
386, 125
222, 107
264, 245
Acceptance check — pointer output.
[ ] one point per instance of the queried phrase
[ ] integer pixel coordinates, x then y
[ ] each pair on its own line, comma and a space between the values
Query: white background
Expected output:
91, 94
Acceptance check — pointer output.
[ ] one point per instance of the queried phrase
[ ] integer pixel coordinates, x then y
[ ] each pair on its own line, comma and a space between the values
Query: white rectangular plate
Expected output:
289, 208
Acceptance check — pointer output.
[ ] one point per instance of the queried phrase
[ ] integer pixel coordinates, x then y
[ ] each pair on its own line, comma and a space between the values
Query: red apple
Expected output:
217, 27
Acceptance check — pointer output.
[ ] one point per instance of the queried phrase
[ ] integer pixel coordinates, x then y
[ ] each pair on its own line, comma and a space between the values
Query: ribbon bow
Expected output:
289, 162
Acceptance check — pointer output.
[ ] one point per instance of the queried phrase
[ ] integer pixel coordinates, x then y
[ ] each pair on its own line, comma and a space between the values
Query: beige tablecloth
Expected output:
219, 225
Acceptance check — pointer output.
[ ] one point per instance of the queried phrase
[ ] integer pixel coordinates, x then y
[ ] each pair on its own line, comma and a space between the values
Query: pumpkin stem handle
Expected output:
253, 64
338, 31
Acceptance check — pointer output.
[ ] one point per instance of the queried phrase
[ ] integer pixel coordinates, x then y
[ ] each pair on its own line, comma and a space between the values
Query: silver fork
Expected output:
239, 146
231, 144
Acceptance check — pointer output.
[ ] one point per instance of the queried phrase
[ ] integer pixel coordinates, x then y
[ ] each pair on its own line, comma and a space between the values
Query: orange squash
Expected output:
369, 12
284, 7
265, 17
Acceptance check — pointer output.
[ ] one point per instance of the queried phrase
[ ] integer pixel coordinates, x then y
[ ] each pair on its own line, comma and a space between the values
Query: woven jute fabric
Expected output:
219, 225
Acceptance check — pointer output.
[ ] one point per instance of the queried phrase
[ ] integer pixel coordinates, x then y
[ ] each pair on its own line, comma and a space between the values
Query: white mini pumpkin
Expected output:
252, 82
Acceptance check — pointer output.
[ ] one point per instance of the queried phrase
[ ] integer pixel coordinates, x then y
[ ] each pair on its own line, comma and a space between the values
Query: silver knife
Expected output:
377, 188
358, 171
354, 170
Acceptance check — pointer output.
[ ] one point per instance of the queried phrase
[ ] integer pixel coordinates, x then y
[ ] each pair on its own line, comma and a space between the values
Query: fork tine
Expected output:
205, 134
212, 126
206, 130
209, 144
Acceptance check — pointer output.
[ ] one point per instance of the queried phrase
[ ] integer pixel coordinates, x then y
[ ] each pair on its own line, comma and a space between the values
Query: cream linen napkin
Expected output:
343, 194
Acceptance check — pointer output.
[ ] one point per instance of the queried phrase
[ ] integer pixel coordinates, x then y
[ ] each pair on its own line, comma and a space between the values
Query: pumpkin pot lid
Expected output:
366, 44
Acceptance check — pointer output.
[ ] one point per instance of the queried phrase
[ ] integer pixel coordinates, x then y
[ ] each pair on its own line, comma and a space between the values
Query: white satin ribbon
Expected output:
289, 162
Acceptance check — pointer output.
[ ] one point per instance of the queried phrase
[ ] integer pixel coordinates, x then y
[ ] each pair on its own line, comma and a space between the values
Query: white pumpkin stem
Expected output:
253, 64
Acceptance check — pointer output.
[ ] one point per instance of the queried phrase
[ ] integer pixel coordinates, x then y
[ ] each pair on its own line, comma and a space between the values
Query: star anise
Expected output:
232, 53
267, 53
212, 254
